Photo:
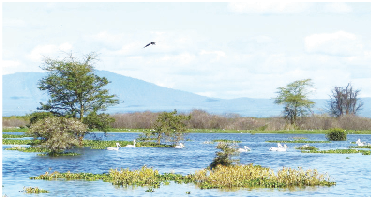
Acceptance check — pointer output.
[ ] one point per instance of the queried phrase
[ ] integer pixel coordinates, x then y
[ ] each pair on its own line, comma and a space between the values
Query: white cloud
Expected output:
214, 55
337, 7
14, 23
269, 7
338, 44
40, 51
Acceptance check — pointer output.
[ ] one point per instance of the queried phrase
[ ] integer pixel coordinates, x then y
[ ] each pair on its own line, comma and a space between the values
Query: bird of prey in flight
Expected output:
151, 43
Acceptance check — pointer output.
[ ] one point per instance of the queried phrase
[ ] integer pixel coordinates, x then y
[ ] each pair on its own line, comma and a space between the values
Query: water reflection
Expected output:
353, 175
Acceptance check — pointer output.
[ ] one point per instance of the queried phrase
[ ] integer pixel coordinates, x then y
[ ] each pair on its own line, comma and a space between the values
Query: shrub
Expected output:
336, 134
224, 157
58, 133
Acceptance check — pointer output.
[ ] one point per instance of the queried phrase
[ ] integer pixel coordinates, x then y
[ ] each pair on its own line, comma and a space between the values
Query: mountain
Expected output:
21, 96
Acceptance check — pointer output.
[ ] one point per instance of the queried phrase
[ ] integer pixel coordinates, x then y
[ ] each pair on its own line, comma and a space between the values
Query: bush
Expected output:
224, 157
58, 133
336, 134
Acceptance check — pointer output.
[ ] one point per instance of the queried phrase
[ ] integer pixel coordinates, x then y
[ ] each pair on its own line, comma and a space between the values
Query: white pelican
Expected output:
114, 148
244, 149
134, 144
181, 145
279, 147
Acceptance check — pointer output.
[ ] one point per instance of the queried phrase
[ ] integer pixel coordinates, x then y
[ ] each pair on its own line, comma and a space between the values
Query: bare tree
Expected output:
345, 101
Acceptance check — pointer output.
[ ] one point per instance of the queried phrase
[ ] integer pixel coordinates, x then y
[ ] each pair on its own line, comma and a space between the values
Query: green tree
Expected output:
295, 98
34, 117
224, 157
58, 133
74, 89
170, 127
100, 121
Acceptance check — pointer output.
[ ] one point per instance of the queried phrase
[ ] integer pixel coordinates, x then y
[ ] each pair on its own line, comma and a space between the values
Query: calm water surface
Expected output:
353, 175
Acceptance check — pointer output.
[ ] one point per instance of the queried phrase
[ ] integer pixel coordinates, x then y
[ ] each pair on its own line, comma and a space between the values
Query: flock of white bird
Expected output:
244, 149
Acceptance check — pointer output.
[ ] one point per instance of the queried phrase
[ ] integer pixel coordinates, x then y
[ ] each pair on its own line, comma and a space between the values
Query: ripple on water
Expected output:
353, 176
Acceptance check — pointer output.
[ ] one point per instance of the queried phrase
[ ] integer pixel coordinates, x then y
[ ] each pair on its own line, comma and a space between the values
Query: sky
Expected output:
217, 49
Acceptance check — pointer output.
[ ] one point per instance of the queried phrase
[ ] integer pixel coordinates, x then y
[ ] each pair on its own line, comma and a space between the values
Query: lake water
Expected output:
353, 175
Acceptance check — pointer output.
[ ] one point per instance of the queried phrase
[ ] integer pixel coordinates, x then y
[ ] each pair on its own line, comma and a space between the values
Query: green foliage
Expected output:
34, 117
73, 87
340, 151
246, 176
226, 141
294, 97
15, 135
58, 133
170, 127
296, 141
257, 176
100, 122
224, 157
336, 134
307, 148
34, 190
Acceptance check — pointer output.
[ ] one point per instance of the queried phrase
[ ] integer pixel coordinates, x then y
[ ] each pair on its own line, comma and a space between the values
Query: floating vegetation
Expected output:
226, 141
306, 147
15, 135
34, 190
340, 151
257, 176
299, 138
365, 146
16, 142
51, 154
297, 141
29, 149
219, 177
99, 144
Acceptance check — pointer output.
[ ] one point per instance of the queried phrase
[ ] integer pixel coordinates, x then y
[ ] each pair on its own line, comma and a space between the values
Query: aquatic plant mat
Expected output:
245, 176
296, 141
340, 151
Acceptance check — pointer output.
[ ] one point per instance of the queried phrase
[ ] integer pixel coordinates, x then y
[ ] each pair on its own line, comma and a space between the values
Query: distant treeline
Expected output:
203, 120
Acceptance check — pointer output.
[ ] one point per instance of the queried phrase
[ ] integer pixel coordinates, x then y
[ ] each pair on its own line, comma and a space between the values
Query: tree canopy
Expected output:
295, 98
170, 127
74, 89
344, 101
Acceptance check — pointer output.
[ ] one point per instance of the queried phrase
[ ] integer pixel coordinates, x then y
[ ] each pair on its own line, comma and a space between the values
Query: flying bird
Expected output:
151, 43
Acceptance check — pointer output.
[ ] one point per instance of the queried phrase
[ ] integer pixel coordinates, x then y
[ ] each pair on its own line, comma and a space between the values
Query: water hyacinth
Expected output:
34, 190
220, 177
257, 176
297, 141
340, 151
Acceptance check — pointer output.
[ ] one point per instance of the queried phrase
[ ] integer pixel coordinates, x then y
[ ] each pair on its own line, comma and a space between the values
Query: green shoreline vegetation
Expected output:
213, 131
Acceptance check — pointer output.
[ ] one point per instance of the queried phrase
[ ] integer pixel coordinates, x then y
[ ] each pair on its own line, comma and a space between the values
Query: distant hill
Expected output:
21, 96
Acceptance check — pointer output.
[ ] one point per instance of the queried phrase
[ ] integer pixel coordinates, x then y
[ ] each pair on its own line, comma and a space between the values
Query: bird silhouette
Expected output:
151, 43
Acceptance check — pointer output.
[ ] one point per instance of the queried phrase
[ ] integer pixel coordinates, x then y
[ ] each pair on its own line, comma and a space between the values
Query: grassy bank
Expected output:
217, 131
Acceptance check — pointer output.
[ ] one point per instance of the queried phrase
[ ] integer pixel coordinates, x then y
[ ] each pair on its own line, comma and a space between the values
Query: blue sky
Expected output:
224, 50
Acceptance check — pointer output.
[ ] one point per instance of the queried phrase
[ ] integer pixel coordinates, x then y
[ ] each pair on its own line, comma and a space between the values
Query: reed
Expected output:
34, 190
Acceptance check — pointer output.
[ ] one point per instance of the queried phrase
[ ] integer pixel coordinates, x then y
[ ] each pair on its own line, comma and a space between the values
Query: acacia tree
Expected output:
57, 133
295, 98
344, 101
170, 127
74, 89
